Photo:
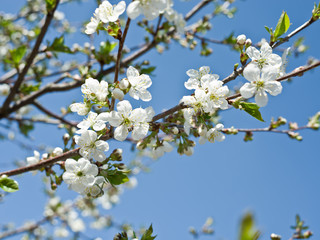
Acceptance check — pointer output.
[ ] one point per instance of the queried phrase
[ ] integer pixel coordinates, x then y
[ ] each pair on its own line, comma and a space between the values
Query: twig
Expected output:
29, 61
51, 114
297, 72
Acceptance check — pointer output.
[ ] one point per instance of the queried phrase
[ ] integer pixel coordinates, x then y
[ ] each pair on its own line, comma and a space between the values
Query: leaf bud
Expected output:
175, 130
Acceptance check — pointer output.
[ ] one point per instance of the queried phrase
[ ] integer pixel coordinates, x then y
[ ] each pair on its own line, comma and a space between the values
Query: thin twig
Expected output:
29, 61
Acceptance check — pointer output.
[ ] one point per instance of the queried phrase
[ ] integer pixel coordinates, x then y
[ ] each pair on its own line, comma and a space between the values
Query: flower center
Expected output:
260, 84
80, 174
261, 62
144, 2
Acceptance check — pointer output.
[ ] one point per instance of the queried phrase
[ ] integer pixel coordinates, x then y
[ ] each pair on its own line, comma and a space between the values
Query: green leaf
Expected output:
269, 30
252, 109
148, 70
17, 54
25, 127
283, 25
148, 234
58, 46
9, 185
117, 177
247, 228
50, 5
28, 88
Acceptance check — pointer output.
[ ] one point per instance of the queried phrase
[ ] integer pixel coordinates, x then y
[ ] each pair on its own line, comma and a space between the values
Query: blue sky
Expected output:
273, 176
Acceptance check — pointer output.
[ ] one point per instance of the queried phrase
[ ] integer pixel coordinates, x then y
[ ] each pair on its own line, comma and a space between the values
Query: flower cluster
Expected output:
262, 73
82, 175
209, 95
105, 13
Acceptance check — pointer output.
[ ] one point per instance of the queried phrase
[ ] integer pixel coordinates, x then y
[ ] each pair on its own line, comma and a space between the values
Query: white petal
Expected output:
253, 53
192, 73
192, 83
124, 107
121, 133
273, 87
140, 131
248, 90
120, 8
145, 95
102, 145
261, 98
134, 9
251, 73
265, 50
115, 119
132, 72
71, 165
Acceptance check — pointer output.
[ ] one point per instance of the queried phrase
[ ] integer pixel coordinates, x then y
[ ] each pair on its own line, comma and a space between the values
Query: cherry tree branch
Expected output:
24, 229
30, 59
239, 71
51, 114
297, 72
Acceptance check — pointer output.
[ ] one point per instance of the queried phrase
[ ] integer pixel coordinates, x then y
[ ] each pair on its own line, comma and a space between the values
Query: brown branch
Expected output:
294, 32
195, 9
239, 71
29, 61
51, 114
297, 72
168, 112
117, 66
145, 48
24, 229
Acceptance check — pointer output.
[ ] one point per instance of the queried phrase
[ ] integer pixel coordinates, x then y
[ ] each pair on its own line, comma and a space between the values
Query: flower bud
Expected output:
241, 39
117, 94
66, 138
274, 236
189, 151
175, 130
57, 151
124, 84
139, 146
248, 42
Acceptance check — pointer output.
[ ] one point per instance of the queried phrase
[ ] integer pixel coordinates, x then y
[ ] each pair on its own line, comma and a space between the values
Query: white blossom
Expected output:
214, 134
80, 108
151, 9
57, 151
90, 146
94, 121
4, 89
158, 151
93, 89
34, 159
126, 118
241, 39
264, 57
282, 70
92, 26
198, 78
79, 174
216, 96
139, 84
117, 94
261, 81
107, 13
124, 84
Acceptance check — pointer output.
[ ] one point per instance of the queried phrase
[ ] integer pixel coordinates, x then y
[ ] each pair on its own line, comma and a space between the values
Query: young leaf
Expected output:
117, 177
252, 109
9, 185
17, 54
148, 234
247, 228
58, 46
282, 26
50, 4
